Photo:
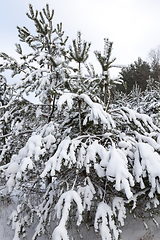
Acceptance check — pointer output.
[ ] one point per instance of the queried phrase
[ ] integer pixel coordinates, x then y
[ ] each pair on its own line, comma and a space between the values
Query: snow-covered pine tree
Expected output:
79, 53
95, 174
147, 102
3, 102
106, 63
40, 74
44, 72
79, 50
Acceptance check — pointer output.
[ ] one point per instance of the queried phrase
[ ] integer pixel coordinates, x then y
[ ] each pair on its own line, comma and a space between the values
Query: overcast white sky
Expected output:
133, 25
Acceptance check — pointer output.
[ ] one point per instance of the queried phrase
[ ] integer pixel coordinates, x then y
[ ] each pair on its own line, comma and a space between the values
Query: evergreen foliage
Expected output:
154, 60
79, 51
106, 63
136, 73
72, 161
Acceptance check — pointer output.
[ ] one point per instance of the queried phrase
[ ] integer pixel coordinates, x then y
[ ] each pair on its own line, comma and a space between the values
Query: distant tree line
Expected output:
140, 71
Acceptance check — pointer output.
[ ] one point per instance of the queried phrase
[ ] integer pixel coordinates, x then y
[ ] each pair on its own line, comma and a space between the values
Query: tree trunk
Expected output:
80, 117
109, 99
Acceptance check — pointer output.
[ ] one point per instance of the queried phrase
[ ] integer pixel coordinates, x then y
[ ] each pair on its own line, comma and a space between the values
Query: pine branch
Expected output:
19, 133
32, 15
42, 18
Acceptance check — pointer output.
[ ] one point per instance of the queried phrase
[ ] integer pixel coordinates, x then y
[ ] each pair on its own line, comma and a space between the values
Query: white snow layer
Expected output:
24, 160
104, 222
68, 98
63, 207
113, 164
87, 192
147, 160
97, 112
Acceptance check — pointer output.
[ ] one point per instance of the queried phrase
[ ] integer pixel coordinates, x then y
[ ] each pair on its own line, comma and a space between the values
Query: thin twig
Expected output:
10, 134
75, 181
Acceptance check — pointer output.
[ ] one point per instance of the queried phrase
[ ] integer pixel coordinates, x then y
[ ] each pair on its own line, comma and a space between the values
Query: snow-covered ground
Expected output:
134, 229
5, 210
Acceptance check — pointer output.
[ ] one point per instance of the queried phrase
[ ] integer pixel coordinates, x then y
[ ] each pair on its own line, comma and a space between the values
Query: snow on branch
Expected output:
49, 139
147, 161
97, 112
87, 192
68, 98
117, 168
16, 225
35, 74
138, 119
66, 152
60, 233
64, 204
24, 160
148, 139
3, 107
33, 147
119, 209
104, 222
92, 151
113, 164
18, 133
54, 163
62, 208
26, 163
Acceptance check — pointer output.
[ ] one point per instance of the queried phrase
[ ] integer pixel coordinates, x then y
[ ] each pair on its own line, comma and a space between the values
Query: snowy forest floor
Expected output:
134, 229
